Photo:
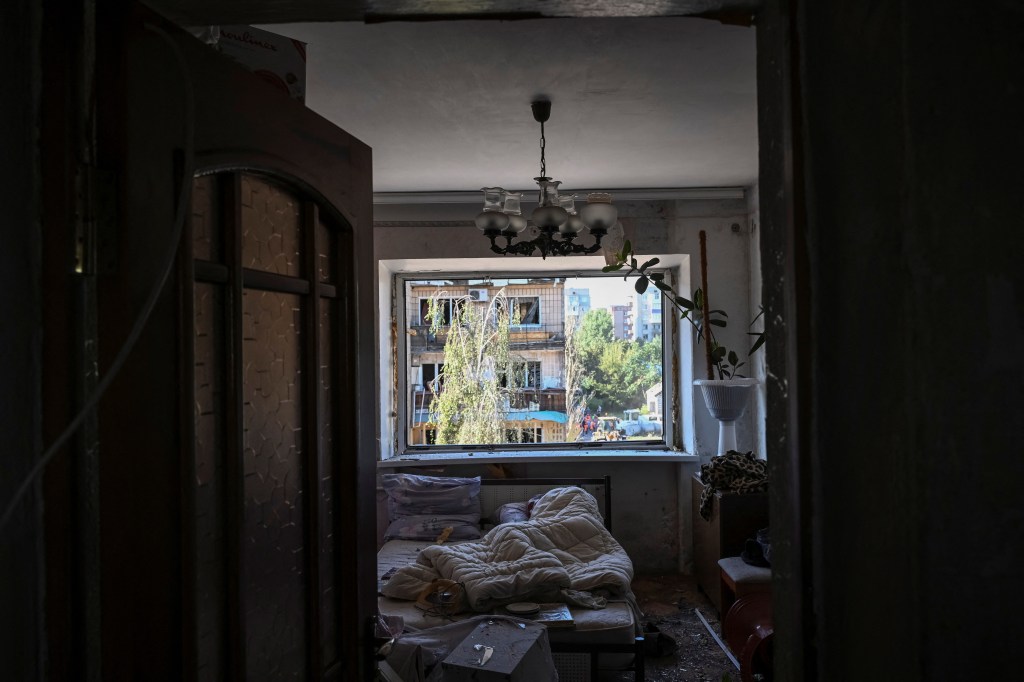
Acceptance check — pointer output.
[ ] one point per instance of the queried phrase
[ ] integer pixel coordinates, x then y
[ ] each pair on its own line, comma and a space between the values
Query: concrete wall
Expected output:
652, 498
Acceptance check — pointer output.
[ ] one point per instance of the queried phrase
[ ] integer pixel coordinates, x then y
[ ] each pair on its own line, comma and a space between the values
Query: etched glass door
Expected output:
266, 299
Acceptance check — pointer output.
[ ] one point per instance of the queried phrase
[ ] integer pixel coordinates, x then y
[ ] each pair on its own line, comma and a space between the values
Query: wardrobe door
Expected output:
238, 445
265, 292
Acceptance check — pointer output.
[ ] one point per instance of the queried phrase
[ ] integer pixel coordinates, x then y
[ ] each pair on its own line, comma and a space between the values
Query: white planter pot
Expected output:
727, 401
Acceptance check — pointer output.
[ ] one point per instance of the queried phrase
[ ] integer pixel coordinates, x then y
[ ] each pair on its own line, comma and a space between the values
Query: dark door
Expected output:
237, 456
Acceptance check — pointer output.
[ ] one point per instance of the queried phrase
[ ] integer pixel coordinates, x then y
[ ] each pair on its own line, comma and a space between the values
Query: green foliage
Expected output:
615, 374
643, 368
468, 407
596, 331
575, 397
726, 362
610, 386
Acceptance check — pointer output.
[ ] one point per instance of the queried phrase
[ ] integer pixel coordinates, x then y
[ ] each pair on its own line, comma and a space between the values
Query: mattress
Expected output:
614, 624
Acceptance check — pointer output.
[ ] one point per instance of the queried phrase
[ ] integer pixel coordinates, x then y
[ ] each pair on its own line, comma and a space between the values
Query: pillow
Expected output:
429, 528
421, 507
513, 512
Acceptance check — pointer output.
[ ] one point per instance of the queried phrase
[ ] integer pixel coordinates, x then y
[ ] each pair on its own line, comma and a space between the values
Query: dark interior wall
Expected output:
20, 542
911, 144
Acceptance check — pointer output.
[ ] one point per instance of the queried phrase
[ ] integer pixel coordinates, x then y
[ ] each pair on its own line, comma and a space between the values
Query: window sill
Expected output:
434, 459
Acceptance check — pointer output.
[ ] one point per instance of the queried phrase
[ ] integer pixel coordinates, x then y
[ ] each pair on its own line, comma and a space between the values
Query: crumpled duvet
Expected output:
563, 546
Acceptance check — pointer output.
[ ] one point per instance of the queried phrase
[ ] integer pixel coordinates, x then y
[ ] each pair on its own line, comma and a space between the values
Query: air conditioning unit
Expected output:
478, 294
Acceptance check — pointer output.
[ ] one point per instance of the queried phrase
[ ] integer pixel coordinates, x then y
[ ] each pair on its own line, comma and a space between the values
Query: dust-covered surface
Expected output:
668, 603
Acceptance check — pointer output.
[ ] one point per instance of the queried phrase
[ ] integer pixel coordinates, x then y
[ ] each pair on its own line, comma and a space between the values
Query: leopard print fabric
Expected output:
734, 472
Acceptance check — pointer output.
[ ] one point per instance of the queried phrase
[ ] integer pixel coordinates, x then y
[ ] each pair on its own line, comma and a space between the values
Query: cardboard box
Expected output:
519, 653
278, 60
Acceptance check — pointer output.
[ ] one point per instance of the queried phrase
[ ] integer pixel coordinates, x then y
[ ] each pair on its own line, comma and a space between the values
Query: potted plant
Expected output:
726, 391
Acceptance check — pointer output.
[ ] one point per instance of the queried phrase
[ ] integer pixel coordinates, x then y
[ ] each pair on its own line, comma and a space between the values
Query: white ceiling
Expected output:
445, 105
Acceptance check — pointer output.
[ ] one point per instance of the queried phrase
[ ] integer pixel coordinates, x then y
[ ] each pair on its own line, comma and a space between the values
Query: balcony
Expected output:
522, 337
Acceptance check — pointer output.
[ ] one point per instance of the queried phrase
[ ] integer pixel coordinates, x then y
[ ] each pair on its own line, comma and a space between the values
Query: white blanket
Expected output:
564, 545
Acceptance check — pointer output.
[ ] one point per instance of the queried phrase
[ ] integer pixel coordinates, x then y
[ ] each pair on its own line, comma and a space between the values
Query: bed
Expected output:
554, 556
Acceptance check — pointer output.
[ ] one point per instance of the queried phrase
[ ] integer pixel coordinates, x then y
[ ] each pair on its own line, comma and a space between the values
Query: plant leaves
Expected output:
717, 323
733, 358
612, 268
757, 344
641, 284
653, 261
685, 302
657, 276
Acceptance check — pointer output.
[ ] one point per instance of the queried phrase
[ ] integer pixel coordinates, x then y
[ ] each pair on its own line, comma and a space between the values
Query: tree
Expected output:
575, 398
479, 378
595, 332
643, 368
615, 374
610, 386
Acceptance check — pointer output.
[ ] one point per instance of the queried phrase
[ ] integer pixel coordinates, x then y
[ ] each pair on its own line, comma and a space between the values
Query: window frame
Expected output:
449, 309
514, 301
676, 440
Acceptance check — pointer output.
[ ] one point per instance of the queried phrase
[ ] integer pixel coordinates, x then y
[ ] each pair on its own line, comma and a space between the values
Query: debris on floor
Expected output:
681, 649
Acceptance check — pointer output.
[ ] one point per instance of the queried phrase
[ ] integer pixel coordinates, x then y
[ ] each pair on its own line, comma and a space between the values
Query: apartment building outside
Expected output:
622, 321
538, 412
647, 315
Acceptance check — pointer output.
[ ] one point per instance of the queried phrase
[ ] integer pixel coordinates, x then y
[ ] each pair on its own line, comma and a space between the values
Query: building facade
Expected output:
537, 413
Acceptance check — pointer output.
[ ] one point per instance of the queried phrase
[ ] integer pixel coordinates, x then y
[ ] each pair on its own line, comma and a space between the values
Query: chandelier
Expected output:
555, 216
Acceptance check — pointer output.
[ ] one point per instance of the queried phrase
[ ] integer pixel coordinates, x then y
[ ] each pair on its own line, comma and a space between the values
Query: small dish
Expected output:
523, 608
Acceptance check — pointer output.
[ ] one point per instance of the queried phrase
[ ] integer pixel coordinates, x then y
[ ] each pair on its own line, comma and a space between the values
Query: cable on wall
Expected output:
158, 284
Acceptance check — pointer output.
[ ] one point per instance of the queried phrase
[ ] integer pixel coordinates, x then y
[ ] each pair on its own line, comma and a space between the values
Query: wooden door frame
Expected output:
783, 228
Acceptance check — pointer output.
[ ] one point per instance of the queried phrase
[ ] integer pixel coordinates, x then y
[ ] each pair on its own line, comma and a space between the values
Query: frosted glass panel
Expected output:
271, 227
273, 551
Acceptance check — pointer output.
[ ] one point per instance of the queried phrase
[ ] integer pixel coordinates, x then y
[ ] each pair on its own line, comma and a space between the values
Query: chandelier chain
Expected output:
555, 220
543, 162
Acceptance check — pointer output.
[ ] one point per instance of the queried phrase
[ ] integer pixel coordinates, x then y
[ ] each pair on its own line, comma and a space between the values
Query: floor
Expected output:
669, 603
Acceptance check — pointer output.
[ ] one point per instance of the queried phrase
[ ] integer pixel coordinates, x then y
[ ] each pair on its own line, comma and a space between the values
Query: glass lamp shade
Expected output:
516, 221
549, 217
511, 205
493, 198
573, 223
572, 226
548, 191
516, 224
599, 213
491, 220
